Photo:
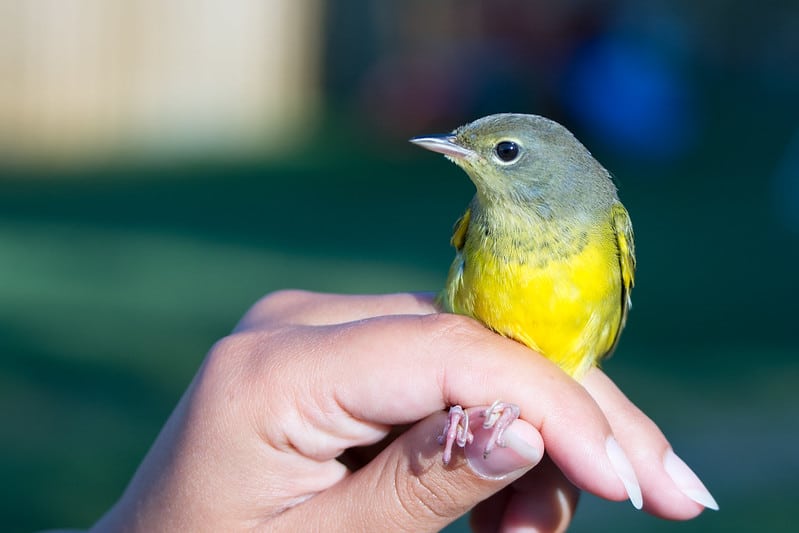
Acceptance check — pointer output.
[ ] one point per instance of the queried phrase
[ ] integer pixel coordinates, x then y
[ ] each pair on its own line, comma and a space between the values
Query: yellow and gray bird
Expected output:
544, 252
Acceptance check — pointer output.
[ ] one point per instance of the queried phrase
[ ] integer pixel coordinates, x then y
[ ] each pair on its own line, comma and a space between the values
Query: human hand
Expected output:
255, 441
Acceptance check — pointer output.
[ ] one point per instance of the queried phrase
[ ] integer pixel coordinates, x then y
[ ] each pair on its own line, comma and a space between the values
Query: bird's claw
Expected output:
456, 431
499, 416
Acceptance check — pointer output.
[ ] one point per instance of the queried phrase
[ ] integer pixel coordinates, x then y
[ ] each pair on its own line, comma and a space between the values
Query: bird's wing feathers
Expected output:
459, 230
446, 299
626, 243
623, 230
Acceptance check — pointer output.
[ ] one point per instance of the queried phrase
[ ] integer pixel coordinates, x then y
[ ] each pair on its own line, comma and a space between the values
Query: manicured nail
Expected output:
520, 445
688, 482
517, 453
624, 469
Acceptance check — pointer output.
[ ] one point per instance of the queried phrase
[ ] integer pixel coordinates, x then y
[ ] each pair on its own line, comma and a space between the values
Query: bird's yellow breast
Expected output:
564, 301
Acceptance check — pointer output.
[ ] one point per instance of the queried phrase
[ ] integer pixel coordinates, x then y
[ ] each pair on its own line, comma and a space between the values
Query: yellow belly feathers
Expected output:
567, 307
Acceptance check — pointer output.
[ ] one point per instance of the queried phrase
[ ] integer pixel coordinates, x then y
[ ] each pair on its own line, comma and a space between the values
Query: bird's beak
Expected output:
443, 144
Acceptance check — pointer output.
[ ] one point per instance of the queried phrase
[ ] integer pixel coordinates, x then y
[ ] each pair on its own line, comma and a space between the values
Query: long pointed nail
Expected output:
688, 482
624, 469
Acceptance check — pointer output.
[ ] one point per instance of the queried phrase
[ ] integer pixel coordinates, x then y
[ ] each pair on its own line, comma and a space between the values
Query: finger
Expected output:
407, 487
319, 309
542, 500
670, 488
396, 370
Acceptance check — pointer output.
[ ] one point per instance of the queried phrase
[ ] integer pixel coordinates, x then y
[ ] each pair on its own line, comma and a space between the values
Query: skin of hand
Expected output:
307, 382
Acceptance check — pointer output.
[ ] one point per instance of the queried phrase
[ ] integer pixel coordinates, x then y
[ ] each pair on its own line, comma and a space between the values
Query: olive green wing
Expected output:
446, 299
625, 245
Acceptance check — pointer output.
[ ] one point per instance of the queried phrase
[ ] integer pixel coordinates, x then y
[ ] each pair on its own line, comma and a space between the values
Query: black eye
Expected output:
507, 151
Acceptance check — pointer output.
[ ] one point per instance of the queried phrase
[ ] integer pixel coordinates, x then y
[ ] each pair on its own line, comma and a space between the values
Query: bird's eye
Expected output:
507, 151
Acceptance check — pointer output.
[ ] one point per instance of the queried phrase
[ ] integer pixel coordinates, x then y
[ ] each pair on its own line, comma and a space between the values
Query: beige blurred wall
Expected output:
86, 80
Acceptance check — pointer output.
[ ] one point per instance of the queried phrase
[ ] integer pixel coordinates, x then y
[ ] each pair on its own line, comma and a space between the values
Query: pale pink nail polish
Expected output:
688, 482
624, 469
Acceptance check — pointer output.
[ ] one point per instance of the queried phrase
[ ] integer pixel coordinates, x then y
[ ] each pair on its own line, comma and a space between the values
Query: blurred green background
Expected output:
157, 177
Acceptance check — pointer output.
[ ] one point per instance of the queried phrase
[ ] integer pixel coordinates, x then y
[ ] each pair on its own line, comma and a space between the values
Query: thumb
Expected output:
407, 486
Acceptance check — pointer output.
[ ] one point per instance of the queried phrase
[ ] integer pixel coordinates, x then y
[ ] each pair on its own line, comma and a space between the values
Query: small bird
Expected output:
544, 252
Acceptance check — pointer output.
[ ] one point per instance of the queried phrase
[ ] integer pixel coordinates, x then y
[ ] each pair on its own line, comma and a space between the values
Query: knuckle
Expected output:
250, 351
238, 367
287, 295
454, 335
228, 356
282, 299
217, 388
242, 357
453, 326
277, 307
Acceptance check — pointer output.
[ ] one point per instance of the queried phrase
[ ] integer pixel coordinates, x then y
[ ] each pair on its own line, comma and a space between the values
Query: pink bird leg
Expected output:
456, 431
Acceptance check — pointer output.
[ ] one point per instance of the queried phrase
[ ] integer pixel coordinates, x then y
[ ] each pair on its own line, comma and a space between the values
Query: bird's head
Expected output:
523, 159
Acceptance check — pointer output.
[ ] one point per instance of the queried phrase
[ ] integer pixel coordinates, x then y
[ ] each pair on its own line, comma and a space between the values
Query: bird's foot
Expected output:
499, 416
456, 431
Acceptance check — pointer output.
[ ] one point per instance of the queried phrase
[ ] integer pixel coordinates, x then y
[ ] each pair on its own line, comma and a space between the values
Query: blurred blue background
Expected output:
163, 165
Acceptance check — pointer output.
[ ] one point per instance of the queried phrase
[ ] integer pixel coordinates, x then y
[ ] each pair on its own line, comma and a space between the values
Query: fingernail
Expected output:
533, 454
624, 469
688, 482
519, 452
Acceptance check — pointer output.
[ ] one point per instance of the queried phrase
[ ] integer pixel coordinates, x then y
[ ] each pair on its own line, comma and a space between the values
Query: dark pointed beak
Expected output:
443, 144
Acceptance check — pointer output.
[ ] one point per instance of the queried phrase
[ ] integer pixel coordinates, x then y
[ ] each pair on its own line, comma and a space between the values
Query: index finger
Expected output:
399, 369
